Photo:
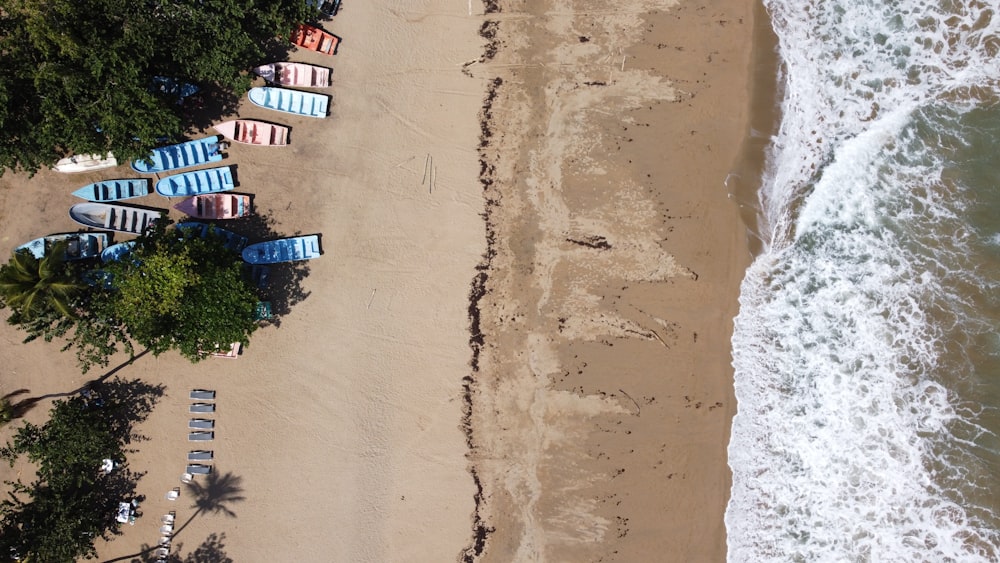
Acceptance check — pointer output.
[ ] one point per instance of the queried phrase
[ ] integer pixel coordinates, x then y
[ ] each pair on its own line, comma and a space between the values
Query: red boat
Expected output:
315, 39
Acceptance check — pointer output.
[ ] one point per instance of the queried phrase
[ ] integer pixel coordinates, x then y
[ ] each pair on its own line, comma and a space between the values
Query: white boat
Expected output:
86, 163
122, 218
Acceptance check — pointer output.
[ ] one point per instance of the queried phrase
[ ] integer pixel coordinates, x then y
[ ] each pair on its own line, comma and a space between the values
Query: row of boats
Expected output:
205, 190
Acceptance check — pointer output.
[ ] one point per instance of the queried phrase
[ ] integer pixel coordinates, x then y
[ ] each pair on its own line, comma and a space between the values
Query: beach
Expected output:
516, 345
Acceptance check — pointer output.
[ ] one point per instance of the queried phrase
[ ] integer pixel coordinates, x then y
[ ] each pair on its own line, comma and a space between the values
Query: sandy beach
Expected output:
516, 344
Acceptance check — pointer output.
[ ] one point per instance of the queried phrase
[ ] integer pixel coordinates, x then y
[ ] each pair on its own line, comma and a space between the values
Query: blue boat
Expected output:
79, 246
197, 182
290, 101
113, 190
283, 250
116, 252
232, 240
181, 155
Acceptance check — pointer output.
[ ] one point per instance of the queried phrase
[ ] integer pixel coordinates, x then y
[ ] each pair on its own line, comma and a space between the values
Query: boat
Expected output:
290, 101
113, 190
79, 246
86, 163
250, 132
328, 8
196, 182
283, 250
116, 217
116, 252
231, 240
295, 74
315, 39
181, 155
216, 206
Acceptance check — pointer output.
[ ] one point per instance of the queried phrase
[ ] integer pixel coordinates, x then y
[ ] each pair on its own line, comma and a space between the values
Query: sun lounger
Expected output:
202, 395
201, 436
200, 455
202, 407
198, 469
201, 424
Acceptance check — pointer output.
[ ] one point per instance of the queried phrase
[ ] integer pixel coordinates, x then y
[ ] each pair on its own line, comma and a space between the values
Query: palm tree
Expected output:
34, 287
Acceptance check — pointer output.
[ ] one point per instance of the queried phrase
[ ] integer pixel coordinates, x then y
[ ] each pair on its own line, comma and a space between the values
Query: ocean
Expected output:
867, 347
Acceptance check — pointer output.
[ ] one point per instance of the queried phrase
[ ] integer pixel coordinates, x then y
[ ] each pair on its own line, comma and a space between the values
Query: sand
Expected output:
550, 278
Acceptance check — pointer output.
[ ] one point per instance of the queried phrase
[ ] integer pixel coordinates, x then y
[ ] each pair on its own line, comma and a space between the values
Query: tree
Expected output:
38, 288
57, 517
182, 292
78, 76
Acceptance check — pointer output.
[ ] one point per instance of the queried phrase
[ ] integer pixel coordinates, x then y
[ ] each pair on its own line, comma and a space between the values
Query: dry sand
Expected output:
600, 397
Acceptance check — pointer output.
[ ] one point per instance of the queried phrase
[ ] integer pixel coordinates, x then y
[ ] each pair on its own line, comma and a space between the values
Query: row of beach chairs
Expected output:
200, 430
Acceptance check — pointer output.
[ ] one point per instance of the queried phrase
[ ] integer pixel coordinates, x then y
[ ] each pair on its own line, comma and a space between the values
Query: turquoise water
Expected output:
867, 349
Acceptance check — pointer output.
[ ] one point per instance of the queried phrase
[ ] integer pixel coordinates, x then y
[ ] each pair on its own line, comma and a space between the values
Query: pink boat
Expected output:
295, 74
250, 132
216, 206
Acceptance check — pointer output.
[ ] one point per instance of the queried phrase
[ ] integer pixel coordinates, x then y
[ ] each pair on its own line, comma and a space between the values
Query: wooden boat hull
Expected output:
289, 249
197, 182
290, 101
257, 133
298, 75
114, 190
216, 206
231, 241
121, 218
80, 245
86, 163
315, 39
181, 155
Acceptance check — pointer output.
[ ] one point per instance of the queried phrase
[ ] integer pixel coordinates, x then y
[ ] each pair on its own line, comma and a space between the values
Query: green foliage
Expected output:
182, 293
57, 517
35, 289
77, 75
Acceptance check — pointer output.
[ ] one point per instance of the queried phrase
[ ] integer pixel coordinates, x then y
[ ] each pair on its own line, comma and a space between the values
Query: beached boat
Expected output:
113, 190
181, 155
86, 163
283, 250
295, 74
116, 252
79, 246
122, 218
216, 206
328, 8
250, 132
197, 182
290, 101
315, 39
231, 240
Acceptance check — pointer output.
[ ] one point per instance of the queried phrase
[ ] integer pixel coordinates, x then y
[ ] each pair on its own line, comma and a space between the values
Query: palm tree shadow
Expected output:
215, 496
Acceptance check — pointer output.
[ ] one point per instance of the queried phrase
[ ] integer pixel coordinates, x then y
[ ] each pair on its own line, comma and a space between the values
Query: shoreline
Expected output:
585, 448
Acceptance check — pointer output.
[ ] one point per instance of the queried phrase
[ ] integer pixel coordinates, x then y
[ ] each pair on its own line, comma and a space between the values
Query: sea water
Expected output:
867, 347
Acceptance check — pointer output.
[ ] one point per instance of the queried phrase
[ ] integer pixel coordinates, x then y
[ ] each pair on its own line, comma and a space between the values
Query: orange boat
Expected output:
315, 39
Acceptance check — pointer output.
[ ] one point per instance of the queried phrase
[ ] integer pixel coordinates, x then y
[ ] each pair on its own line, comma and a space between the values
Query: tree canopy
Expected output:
57, 517
174, 290
78, 77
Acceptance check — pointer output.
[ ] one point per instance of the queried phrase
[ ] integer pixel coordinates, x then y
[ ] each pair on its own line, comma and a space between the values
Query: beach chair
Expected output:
201, 424
199, 469
172, 494
201, 436
200, 455
202, 408
202, 395
186, 478
169, 517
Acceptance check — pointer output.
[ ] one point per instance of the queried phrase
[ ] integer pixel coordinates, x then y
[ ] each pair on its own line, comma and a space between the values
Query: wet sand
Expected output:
602, 395
529, 252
